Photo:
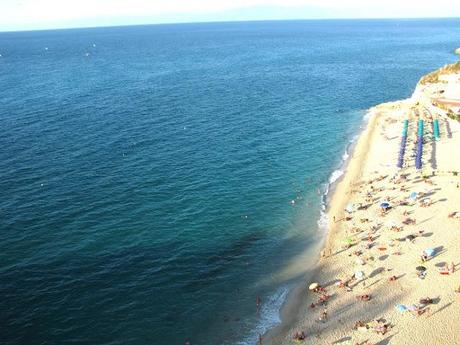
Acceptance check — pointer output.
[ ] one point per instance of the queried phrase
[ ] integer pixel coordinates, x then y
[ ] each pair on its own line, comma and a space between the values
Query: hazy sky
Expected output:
37, 14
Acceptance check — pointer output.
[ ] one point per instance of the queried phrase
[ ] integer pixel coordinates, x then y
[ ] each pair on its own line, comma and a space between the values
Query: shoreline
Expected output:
340, 198
383, 126
295, 287
290, 309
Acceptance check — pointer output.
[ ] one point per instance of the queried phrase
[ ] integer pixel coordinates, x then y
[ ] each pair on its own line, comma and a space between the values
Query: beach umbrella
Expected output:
413, 195
429, 251
313, 286
401, 308
349, 208
420, 268
349, 240
384, 205
410, 237
359, 275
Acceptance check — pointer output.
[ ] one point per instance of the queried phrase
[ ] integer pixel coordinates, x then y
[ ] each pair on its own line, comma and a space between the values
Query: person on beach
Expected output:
381, 327
299, 335
323, 299
364, 298
418, 310
447, 269
421, 274
323, 317
426, 301
452, 214
424, 257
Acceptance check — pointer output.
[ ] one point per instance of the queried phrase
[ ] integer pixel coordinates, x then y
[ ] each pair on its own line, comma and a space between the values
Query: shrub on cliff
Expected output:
433, 77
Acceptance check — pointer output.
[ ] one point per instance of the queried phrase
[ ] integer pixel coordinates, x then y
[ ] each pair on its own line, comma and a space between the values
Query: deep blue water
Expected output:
147, 173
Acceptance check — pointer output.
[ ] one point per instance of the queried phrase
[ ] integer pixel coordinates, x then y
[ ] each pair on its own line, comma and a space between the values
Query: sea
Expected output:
166, 184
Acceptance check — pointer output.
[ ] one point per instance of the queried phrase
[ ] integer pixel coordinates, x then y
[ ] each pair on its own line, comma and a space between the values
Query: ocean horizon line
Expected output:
172, 23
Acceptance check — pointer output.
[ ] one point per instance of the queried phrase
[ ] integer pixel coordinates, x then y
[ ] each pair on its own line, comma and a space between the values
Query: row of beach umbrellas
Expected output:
402, 148
418, 156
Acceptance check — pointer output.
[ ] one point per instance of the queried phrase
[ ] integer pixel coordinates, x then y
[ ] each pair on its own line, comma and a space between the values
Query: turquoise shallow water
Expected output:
147, 172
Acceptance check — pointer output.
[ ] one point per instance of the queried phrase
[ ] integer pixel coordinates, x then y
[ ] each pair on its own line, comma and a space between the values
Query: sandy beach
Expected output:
389, 271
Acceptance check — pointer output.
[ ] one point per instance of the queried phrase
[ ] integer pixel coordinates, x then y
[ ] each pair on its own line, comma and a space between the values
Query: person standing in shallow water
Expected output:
258, 303
323, 316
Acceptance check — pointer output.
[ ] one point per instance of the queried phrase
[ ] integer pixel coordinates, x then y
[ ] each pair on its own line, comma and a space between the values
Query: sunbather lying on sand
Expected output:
425, 301
299, 335
409, 221
364, 298
447, 269
417, 310
454, 215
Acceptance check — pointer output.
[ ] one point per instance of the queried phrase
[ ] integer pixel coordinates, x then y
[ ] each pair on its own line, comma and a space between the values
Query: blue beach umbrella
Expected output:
429, 251
385, 205
401, 308
413, 195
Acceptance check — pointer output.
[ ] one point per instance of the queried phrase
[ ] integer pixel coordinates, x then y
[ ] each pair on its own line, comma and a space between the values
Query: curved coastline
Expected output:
380, 254
333, 200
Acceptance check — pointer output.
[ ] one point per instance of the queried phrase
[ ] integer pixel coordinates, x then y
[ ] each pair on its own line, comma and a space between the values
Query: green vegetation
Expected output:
452, 115
449, 112
433, 77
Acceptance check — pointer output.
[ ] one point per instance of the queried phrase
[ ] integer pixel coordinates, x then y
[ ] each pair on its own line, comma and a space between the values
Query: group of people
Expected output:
371, 196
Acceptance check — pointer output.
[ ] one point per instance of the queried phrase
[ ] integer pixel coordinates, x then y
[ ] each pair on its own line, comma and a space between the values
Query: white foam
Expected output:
271, 311
336, 174
270, 316
323, 221
367, 115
